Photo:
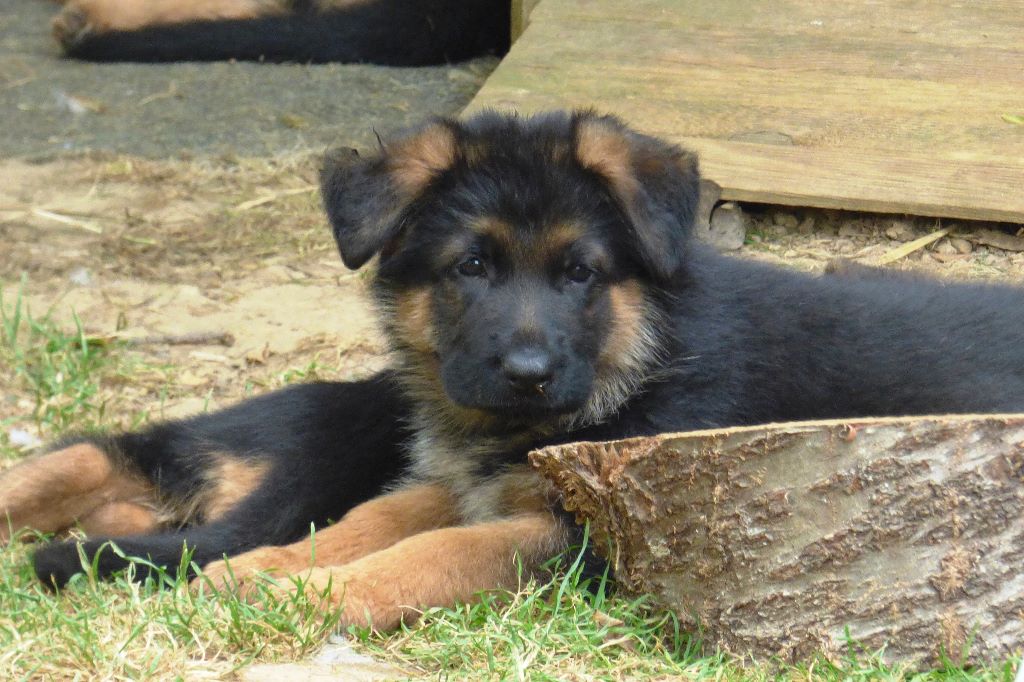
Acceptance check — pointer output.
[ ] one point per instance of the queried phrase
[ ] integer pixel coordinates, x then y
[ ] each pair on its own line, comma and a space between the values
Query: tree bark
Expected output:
787, 539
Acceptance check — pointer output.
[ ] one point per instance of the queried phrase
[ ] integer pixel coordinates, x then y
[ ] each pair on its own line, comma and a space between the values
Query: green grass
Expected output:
61, 370
566, 628
572, 628
155, 630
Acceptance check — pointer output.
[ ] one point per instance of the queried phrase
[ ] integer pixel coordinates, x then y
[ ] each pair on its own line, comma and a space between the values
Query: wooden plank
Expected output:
521, 10
882, 106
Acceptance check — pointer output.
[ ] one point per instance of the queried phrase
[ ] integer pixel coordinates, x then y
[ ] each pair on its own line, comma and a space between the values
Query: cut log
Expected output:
788, 539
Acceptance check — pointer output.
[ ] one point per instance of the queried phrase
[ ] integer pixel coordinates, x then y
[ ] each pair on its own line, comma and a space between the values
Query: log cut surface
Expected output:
898, 106
779, 540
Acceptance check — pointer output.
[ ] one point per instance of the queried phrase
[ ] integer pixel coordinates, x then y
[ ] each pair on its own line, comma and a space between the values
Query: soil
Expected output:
181, 199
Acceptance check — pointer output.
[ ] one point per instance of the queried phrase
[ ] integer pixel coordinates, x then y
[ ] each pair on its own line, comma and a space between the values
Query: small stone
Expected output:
22, 439
786, 220
728, 227
80, 277
807, 226
336, 661
710, 193
961, 245
900, 231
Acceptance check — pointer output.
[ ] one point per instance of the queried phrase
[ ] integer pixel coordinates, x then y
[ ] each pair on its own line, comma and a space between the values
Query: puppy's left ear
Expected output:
657, 185
367, 198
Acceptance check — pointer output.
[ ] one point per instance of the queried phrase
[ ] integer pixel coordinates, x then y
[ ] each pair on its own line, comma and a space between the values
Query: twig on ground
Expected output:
171, 91
67, 220
192, 339
911, 247
253, 203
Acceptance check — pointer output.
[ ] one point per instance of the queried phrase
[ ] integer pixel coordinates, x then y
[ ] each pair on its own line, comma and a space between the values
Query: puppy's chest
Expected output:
489, 477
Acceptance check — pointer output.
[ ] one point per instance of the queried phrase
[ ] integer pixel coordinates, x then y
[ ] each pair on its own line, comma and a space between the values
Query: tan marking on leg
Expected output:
50, 492
415, 161
435, 568
365, 529
99, 16
117, 519
232, 480
525, 491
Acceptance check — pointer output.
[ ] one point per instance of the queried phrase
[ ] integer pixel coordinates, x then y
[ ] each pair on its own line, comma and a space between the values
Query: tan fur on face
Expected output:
557, 238
233, 479
631, 355
415, 161
628, 322
413, 319
500, 232
50, 492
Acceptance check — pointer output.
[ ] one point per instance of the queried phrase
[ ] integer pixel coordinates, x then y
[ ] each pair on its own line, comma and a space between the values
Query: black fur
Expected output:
738, 342
331, 446
747, 343
387, 32
754, 343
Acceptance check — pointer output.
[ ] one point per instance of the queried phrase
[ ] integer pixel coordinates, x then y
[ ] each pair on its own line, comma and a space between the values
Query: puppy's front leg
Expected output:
365, 529
436, 568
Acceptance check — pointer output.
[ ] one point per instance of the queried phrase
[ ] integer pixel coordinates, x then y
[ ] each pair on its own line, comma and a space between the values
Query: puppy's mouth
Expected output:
535, 406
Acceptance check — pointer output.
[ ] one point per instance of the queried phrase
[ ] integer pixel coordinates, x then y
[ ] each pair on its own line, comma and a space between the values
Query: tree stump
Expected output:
787, 539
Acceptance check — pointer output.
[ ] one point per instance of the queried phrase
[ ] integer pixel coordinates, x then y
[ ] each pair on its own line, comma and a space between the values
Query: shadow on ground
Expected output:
52, 106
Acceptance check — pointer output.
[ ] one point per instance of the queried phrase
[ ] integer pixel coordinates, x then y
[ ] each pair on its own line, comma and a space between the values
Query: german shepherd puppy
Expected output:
389, 32
538, 284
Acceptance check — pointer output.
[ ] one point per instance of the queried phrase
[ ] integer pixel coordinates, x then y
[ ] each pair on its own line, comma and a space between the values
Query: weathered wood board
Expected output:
785, 540
521, 10
889, 105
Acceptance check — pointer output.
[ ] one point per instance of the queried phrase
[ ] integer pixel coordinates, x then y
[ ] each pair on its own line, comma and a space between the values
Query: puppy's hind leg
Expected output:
254, 520
53, 491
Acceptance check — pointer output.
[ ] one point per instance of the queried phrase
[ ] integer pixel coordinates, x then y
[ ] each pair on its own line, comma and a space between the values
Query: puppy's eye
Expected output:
472, 267
579, 273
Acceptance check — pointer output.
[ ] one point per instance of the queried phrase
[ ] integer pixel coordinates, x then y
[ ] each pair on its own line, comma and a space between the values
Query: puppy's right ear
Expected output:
367, 199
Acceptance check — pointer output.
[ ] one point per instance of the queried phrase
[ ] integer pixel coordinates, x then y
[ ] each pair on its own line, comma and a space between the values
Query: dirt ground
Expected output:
196, 213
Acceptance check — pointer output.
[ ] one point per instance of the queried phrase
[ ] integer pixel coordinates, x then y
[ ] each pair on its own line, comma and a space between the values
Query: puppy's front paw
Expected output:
366, 601
241, 573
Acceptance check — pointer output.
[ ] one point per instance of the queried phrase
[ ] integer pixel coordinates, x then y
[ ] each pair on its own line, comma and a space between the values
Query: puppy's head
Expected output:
520, 259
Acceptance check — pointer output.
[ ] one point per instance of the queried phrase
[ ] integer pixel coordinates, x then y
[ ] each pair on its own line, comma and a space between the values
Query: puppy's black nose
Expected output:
528, 369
